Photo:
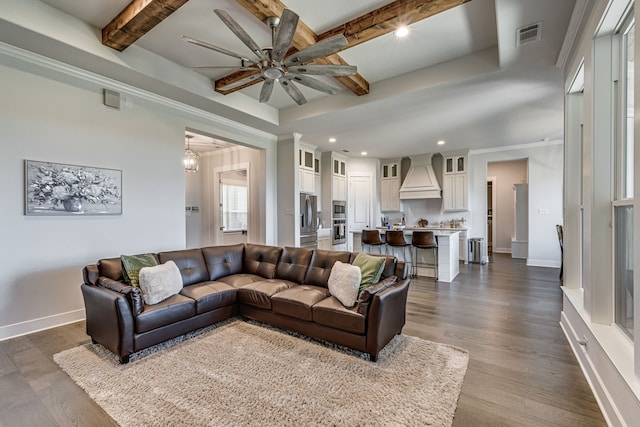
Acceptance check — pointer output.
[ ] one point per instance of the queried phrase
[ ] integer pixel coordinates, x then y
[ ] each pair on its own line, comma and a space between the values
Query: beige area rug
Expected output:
244, 374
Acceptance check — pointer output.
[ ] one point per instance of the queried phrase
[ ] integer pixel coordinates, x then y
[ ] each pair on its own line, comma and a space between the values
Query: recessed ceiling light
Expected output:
441, 142
363, 153
402, 32
332, 140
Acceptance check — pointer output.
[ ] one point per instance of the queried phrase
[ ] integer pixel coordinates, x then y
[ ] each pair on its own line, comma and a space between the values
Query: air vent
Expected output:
528, 34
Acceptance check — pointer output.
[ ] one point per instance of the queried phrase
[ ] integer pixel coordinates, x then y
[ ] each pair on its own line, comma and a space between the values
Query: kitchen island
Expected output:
448, 251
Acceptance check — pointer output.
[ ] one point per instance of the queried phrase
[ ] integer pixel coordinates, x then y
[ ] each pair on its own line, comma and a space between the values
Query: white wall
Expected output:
53, 112
507, 174
545, 192
44, 120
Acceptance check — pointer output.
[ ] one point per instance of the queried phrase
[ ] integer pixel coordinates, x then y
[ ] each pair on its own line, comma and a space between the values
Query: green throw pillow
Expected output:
371, 268
131, 265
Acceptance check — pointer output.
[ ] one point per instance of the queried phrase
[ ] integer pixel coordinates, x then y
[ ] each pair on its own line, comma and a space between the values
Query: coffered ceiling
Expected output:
459, 75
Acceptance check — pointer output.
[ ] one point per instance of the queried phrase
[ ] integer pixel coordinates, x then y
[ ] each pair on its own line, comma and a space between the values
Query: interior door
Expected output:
360, 203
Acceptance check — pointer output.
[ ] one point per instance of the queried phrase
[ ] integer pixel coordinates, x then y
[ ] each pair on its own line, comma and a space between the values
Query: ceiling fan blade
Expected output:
322, 48
266, 91
292, 90
314, 83
217, 49
240, 32
224, 67
284, 34
241, 82
324, 70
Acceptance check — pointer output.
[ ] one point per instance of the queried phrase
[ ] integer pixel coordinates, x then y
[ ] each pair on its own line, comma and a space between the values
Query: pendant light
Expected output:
191, 158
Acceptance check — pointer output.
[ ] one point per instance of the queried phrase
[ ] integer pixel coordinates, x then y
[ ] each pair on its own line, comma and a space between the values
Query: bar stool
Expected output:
396, 245
424, 240
371, 239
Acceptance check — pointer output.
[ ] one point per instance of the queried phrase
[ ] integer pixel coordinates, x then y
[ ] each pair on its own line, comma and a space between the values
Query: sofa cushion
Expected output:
258, 294
131, 265
261, 260
371, 268
111, 268
239, 280
223, 260
293, 264
320, 266
191, 264
210, 295
330, 312
389, 265
298, 301
344, 282
167, 312
159, 282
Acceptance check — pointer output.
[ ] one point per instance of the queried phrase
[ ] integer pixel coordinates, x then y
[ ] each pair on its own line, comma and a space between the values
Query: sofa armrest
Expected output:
387, 316
366, 295
134, 294
109, 319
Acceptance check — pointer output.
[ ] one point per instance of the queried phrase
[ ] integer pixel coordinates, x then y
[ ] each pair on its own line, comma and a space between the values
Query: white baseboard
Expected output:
502, 250
35, 325
618, 403
543, 263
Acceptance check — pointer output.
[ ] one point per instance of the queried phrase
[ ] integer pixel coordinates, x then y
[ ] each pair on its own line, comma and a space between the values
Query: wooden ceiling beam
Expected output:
389, 18
367, 27
135, 20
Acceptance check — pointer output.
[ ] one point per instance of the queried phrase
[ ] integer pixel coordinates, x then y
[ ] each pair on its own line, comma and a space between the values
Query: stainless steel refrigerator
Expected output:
308, 220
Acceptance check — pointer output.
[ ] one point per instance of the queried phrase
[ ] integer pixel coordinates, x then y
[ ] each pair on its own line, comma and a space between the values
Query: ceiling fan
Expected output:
272, 65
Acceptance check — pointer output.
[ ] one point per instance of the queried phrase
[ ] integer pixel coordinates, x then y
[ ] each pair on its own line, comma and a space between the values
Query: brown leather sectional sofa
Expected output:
285, 287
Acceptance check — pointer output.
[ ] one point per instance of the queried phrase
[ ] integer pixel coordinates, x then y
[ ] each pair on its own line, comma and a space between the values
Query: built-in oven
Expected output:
339, 231
339, 209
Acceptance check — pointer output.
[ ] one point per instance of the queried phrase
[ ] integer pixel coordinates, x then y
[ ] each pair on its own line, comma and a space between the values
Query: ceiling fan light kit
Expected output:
272, 64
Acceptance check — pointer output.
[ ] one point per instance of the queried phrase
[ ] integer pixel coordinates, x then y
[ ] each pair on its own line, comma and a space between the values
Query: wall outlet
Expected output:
543, 211
288, 211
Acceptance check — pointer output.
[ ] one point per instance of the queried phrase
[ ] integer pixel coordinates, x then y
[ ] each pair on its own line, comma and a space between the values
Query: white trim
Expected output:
570, 36
543, 263
516, 147
69, 70
41, 324
501, 250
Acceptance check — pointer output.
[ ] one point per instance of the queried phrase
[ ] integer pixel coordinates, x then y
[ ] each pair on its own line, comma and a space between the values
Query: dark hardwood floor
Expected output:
521, 369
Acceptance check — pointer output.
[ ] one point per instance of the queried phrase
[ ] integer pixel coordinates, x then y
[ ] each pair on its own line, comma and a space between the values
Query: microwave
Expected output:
339, 209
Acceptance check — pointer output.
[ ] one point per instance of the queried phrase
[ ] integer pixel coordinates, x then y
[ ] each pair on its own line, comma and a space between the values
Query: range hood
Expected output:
420, 182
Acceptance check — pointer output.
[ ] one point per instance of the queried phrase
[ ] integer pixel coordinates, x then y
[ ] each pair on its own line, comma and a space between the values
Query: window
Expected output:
234, 207
623, 203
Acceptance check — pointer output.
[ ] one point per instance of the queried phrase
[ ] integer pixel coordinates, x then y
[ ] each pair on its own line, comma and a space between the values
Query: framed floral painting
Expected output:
58, 189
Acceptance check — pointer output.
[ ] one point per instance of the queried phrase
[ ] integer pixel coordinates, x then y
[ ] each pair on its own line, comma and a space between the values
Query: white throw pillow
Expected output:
344, 282
160, 282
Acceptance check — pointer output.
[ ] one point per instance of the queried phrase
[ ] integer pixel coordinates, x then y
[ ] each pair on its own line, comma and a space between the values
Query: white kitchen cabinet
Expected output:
306, 168
390, 187
455, 164
339, 187
307, 180
334, 182
455, 192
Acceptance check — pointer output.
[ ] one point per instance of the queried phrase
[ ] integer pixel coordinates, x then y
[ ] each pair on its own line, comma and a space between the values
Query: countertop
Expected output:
431, 228
410, 230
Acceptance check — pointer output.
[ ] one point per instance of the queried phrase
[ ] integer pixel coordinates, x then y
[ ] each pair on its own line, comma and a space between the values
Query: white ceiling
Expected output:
459, 76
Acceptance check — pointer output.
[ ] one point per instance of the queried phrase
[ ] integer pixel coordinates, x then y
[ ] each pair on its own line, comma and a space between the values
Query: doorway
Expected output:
359, 212
220, 196
234, 206
509, 211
